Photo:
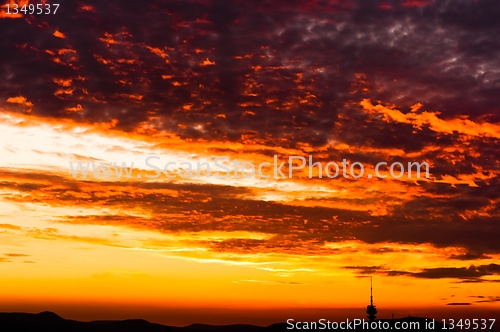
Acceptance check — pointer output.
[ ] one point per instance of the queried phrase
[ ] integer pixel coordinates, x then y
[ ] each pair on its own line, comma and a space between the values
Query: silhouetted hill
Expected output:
50, 322
238, 327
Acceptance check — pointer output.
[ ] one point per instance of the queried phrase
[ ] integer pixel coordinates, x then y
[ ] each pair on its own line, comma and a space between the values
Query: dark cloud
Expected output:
486, 299
476, 281
278, 69
465, 273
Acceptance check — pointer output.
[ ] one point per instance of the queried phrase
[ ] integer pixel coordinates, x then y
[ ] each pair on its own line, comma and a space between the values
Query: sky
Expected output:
253, 81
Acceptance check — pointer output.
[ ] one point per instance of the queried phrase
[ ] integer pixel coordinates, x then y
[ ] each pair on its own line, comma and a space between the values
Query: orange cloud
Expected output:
207, 62
19, 100
9, 226
157, 51
15, 255
59, 34
460, 126
63, 82
77, 108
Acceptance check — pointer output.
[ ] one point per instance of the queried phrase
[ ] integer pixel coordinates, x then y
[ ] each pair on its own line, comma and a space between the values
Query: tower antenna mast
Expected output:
371, 290
371, 310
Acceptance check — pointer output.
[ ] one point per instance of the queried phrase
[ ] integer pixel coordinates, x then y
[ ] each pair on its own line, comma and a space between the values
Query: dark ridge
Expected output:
49, 315
223, 328
51, 322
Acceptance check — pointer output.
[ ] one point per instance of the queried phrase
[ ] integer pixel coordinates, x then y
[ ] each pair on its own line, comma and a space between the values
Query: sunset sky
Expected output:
187, 81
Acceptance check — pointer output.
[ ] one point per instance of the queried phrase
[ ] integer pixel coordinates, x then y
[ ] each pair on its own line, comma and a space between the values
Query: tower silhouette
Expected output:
371, 310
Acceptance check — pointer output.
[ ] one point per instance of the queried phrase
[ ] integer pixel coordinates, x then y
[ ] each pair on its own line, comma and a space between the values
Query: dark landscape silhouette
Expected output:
51, 322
